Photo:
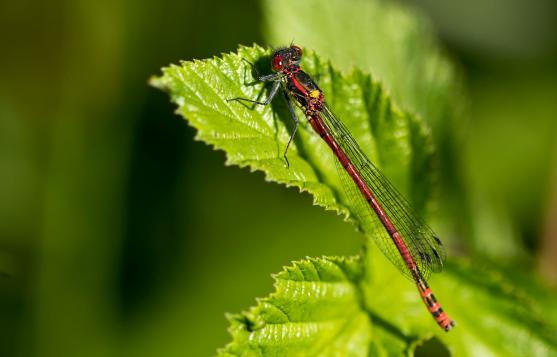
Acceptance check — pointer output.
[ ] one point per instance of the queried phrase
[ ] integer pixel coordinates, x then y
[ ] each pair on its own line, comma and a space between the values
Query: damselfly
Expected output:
402, 236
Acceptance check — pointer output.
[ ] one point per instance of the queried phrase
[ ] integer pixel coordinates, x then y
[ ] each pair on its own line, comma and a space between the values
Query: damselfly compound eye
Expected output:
277, 63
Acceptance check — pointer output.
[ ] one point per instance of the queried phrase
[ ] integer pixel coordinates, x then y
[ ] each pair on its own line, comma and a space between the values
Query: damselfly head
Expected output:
286, 58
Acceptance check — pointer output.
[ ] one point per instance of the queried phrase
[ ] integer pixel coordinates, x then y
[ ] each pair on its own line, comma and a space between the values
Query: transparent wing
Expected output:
424, 245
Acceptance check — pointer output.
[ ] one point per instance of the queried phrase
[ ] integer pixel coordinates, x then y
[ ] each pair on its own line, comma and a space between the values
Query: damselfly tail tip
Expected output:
450, 326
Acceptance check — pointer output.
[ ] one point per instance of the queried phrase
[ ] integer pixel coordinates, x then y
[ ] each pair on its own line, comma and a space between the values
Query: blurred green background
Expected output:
120, 235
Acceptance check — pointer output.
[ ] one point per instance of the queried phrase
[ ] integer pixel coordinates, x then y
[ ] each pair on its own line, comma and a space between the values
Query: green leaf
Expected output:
315, 310
354, 307
348, 306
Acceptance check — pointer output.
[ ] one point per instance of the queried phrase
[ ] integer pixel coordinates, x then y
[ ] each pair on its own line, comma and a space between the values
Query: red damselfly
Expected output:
402, 236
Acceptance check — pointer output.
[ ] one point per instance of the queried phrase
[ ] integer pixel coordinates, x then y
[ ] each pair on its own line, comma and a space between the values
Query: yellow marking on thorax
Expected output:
315, 93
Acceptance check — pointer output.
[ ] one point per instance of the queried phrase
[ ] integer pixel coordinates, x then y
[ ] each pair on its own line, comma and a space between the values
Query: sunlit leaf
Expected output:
315, 310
